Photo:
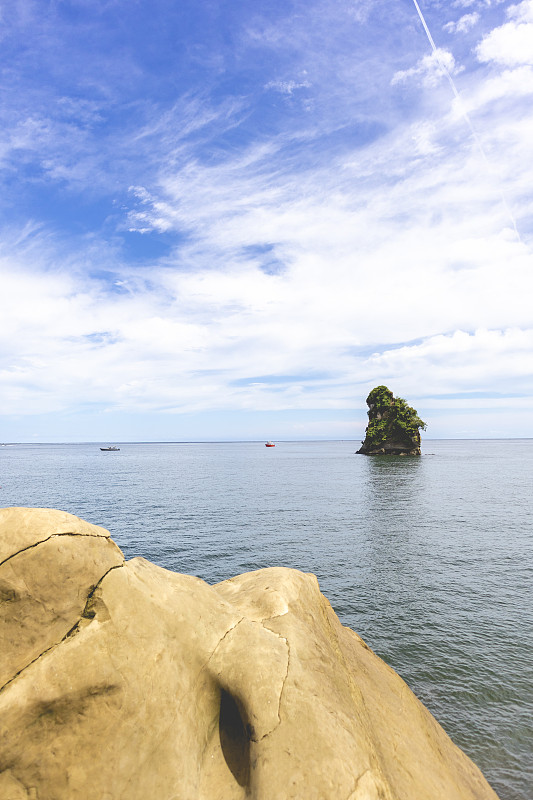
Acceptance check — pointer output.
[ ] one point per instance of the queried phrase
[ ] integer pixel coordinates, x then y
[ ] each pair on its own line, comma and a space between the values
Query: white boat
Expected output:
111, 448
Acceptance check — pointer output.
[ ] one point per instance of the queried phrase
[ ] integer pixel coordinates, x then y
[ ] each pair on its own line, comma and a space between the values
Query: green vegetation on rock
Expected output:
393, 425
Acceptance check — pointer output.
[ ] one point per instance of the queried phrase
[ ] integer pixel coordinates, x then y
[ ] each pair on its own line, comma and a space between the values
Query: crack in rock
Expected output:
359, 778
52, 536
377, 785
284, 639
85, 614
252, 736
221, 640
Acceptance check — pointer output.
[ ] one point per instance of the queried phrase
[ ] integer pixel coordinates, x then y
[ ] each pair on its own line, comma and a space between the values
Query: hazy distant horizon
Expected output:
261, 441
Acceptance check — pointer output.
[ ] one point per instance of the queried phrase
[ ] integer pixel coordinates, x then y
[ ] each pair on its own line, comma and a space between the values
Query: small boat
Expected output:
111, 448
269, 444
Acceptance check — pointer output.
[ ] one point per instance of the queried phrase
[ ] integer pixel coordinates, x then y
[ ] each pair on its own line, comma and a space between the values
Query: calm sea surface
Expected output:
428, 559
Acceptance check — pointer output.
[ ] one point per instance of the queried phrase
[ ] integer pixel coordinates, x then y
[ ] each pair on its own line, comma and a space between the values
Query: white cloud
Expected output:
464, 24
511, 85
430, 69
287, 87
478, 3
522, 12
360, 10
362, 267
192, 341
510, 44
464, 362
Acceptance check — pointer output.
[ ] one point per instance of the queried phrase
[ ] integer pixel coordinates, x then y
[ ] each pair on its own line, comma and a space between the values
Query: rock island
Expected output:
393, 426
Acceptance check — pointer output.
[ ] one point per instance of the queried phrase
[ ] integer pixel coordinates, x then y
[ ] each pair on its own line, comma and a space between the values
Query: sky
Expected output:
231, 219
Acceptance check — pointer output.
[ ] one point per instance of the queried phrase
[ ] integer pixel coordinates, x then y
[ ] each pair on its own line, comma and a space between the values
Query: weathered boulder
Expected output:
154, 684
49, 563
393, 426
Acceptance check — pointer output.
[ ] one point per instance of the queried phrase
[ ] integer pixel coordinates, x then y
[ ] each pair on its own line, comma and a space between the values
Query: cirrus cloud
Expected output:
430, 69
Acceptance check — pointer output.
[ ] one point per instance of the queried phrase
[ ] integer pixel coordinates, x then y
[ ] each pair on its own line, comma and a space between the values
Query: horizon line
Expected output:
261, 441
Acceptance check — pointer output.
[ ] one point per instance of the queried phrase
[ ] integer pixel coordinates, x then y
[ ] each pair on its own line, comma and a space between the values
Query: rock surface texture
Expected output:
393, 426
123, 681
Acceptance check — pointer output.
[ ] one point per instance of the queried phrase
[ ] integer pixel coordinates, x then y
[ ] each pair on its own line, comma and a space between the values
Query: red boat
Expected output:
270, 444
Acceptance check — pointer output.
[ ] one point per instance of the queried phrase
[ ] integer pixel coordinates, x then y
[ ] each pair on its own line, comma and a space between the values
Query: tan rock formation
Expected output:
124, 681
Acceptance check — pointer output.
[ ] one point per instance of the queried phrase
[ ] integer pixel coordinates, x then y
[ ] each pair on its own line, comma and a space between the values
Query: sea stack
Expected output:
124, 680
393, 426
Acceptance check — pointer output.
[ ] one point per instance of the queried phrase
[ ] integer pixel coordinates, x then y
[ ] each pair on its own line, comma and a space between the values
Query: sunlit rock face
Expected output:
123, 680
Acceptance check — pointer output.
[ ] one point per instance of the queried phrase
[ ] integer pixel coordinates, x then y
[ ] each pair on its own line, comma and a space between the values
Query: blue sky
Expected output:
230, 220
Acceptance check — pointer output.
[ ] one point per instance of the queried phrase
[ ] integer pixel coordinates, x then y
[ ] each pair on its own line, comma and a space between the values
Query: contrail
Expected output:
423, 21
465, 116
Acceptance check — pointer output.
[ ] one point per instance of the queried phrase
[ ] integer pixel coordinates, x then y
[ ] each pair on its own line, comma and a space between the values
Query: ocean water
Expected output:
428, 559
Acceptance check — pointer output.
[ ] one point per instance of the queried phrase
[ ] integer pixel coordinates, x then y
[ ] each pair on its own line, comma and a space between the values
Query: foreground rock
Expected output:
125, 681
393, 426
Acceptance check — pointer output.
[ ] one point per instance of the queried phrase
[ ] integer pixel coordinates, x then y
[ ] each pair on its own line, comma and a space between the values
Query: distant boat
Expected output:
111, 448
270, 444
